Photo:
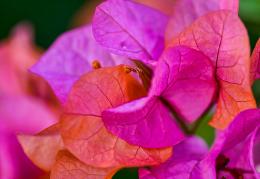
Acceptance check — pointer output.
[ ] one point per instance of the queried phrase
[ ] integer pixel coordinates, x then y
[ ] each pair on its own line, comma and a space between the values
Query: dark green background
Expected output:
52, 17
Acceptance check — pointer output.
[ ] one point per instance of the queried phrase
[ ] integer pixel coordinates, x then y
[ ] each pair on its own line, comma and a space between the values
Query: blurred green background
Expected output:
50, 18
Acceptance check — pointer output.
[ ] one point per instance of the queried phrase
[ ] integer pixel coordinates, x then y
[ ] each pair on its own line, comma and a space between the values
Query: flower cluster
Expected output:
136, 82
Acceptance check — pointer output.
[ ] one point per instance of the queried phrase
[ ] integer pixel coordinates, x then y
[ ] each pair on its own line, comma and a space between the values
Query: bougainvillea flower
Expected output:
70, 57
130, 29
185, 156
185, 12
255, 65
104, 88
228, 58
17, 54
241, 139
30, 116
23, 105
190, 160
148, 122
223, 38
88, 146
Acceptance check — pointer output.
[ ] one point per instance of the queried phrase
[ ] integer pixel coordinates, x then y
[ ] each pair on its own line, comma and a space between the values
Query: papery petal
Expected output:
101, 89
255, 62
83, 130
144, 122
43, 147
185, 12
67, 167
69, 57
185, 78
185, 156
87, 138
130, 29
30, 116
221, 36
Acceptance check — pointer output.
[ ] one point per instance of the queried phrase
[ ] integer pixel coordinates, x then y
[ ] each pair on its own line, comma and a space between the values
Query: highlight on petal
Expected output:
83, 131
43, 147
255, 62
145, 122
185, 12
185, 156
221, 36
184, 77
30, 116
69, 57
130, 29
67, 167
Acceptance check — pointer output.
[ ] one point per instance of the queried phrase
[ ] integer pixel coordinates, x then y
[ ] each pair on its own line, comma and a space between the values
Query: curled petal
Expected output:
145, 122
184, 77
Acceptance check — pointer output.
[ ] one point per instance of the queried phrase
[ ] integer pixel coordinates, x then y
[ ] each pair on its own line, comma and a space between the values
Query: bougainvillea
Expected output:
135, 85
27, 95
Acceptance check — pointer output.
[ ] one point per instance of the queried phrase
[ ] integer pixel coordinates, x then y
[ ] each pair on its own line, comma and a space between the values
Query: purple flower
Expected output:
235, 154
131, 29
185, 156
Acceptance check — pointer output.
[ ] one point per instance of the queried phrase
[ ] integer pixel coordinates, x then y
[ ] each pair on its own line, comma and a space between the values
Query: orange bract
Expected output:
43, 147
89, 150
102, 89
67, 167
222, 37
83, 131
88, 139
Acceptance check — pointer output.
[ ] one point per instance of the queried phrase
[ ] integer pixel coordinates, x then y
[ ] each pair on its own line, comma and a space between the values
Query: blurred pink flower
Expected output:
26, 103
